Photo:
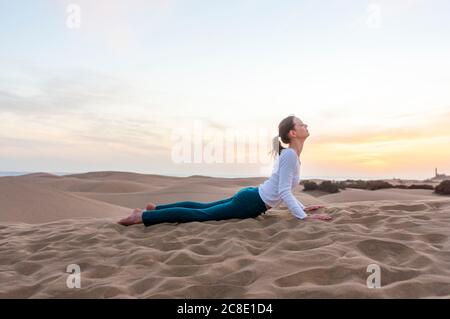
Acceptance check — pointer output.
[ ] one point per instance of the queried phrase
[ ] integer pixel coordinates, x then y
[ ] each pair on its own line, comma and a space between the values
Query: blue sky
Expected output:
370, 78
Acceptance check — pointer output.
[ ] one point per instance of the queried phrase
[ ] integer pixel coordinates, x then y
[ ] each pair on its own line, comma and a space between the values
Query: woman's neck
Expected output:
297, 146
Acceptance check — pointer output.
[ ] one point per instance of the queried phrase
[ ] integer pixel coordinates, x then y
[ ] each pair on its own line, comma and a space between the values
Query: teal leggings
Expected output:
246, 203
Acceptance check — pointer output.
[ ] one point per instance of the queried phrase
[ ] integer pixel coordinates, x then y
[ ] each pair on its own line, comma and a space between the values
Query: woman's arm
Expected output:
301, 205
287, 166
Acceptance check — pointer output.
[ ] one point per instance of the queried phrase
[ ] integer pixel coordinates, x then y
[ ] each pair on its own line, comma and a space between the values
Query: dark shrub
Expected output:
309, 186
401, 186
360, 184
420, 186
341, 185
329, 187
370, 185
374, 185
443, 188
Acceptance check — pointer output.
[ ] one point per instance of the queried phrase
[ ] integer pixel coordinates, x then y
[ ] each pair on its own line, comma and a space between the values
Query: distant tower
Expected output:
435, 172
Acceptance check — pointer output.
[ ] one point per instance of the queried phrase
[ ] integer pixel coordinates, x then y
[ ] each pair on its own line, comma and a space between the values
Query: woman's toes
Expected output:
124, 221
134, 218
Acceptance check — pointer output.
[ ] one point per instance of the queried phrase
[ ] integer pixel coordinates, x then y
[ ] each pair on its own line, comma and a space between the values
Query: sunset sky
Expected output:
370, 78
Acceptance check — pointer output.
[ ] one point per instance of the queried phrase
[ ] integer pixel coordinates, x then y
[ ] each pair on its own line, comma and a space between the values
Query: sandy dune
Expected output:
48, 222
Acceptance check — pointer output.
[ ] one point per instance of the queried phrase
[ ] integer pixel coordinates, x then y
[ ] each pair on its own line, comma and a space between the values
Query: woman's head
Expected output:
289, 129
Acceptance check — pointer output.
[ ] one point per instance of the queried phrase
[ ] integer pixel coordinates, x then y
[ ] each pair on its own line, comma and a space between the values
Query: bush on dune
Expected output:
369, 185
341, 185
360, 184
309, 185
420, 186
329, 187
325, 186
374, 185
333, 187
443, 188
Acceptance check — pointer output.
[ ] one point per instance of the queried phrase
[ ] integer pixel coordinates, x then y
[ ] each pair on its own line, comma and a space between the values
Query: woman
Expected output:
248, 202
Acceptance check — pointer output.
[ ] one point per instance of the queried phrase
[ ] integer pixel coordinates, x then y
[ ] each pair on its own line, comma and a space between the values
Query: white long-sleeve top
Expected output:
278, 188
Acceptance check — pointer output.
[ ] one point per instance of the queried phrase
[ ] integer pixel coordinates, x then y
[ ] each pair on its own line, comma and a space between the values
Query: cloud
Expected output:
68, 91
79, 107
94, 138
421, 126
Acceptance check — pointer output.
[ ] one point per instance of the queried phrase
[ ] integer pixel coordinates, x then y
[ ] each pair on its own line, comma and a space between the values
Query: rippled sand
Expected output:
272, 256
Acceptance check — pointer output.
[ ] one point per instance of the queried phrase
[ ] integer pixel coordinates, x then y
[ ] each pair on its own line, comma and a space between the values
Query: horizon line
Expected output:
22, 173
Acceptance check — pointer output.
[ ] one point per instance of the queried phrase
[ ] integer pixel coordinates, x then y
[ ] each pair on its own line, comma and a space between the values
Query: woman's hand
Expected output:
312, 207
319, 216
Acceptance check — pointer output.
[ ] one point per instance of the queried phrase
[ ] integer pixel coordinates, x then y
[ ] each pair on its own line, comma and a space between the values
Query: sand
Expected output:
48, 222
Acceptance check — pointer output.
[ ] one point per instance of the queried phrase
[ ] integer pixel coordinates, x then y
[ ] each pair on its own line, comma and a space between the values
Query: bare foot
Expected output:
134, 218
150, 206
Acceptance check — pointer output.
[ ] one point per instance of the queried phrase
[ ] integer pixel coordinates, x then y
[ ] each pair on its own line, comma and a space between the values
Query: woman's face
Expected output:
301, 129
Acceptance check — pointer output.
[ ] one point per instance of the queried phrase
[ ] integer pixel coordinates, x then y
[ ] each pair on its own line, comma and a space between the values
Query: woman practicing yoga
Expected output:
248, 202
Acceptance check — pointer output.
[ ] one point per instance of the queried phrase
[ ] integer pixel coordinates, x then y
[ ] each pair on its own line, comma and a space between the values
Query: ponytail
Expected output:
276, 146
286, 125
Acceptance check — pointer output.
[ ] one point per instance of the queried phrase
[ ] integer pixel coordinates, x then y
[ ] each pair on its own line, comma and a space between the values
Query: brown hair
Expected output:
284, 127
